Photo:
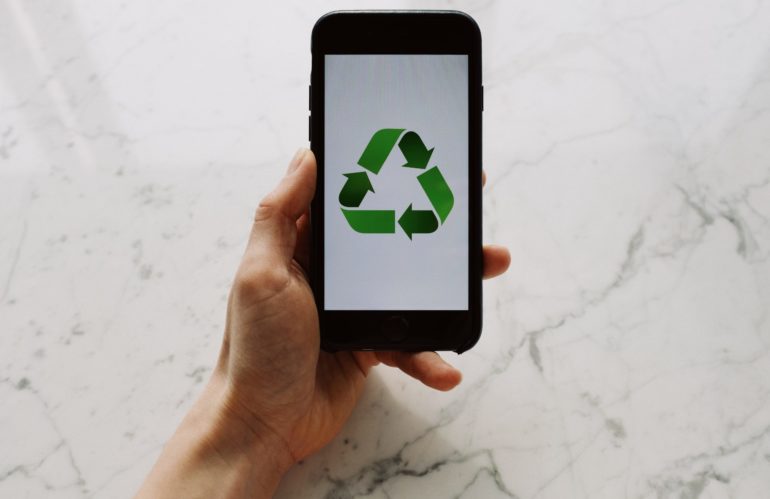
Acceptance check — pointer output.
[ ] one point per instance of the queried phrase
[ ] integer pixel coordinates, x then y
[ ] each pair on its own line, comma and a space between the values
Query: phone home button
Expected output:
395, 328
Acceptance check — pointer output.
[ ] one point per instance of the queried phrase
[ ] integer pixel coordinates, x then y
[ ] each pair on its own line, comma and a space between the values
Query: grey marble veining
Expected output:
625, 354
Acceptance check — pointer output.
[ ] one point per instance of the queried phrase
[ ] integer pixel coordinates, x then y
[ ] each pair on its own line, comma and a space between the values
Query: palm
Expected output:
281, 376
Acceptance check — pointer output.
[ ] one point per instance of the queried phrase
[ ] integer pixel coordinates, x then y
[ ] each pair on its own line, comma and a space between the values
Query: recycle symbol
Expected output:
384, 221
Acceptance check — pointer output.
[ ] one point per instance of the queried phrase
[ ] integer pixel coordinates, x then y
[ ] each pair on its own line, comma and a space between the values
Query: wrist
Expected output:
217, 453
243, 442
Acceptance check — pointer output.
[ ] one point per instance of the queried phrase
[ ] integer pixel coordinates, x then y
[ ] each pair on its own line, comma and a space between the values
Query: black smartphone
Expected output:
395, 124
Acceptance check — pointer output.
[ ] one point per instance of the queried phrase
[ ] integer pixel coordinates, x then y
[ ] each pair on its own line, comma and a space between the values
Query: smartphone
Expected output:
395, 124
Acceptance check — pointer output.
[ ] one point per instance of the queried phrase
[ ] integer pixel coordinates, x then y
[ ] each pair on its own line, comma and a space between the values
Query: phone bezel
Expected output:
399, 32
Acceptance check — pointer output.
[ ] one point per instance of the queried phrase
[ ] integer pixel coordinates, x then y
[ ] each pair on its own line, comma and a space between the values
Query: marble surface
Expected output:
625, 354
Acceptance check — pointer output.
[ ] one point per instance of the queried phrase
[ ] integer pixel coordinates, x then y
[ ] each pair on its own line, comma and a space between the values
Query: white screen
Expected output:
426, 95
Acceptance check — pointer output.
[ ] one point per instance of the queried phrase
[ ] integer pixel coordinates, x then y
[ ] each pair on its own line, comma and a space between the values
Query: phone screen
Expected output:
396, 182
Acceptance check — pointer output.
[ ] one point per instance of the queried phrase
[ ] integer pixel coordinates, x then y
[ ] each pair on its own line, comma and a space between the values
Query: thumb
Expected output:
274, 233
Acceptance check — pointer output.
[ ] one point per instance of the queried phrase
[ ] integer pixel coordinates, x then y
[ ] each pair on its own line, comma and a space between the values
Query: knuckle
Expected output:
259, 284
265, 211
270, 213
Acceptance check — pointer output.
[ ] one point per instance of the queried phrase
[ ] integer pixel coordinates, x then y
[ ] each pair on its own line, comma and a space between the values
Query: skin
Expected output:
274, 397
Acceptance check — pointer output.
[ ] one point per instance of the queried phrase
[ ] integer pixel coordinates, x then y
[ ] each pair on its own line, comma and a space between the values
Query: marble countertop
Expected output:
625, 354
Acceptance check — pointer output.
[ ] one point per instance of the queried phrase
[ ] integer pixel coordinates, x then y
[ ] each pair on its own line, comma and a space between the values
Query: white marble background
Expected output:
626, 353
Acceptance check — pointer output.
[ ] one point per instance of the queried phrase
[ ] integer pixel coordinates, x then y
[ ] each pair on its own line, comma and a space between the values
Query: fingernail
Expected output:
296, 160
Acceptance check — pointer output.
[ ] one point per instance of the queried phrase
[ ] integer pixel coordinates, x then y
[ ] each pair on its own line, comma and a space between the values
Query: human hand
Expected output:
273, 391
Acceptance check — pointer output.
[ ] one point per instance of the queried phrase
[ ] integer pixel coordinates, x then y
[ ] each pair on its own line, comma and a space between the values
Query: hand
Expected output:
272, 384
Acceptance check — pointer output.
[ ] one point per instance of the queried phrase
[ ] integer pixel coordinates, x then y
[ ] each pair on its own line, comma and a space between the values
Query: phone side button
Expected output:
310, 128
395, 328
482, 97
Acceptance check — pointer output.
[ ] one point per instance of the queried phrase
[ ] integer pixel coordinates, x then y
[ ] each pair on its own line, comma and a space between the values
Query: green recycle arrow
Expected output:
415, 152
418, 221
384, 221
355, 189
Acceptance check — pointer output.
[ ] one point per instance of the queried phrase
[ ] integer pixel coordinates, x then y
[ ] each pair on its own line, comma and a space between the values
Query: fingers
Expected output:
427, 367
496, 260
274, 232
365, 360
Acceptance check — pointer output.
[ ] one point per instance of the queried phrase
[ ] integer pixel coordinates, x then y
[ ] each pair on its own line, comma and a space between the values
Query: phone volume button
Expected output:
310, 128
